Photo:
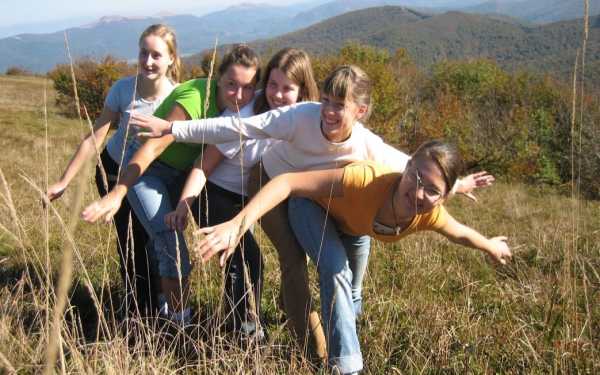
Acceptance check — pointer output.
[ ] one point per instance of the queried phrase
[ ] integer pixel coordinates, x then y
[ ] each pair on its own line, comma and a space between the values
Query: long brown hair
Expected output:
295, 64
167, 34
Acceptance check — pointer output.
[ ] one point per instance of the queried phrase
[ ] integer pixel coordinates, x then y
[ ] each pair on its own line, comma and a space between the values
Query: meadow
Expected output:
429, 307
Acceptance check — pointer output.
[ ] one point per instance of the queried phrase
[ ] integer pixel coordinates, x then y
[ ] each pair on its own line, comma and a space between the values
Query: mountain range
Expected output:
537, 11
421, 29
429, 38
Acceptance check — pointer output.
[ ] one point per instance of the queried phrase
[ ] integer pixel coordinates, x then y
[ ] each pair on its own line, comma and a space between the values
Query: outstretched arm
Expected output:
107, 206
203, 167
277, 124
225, 237
496, 247
87, 148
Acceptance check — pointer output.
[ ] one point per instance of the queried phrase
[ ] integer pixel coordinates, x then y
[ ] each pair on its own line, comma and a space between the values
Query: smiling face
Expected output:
338, 116
281, 90
422, 188
236, 86
154, 58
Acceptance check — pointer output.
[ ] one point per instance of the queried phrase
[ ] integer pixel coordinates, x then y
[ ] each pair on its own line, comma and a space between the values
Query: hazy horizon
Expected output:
39, 16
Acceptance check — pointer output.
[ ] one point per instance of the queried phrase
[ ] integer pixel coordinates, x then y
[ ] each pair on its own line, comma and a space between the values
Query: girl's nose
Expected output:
420, 193
148, 60
239, 93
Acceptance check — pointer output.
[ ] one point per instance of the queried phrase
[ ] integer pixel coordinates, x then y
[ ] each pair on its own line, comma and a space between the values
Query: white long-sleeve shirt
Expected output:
233, 171
304, 147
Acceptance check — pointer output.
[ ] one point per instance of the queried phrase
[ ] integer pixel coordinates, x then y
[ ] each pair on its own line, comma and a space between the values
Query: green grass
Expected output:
430, 306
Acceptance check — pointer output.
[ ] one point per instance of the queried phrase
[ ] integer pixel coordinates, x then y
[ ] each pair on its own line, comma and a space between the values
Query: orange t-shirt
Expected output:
366, 187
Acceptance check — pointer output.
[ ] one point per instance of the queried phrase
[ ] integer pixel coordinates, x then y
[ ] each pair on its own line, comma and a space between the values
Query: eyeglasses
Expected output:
430, 192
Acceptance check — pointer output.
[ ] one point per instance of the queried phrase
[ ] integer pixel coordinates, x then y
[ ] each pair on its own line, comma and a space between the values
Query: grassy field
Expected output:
430, 307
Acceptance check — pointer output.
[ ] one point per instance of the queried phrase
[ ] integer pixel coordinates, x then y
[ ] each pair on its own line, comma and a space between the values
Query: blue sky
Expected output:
51, 15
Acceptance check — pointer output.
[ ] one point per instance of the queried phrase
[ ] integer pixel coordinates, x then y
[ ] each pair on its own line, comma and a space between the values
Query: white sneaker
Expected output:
182, 318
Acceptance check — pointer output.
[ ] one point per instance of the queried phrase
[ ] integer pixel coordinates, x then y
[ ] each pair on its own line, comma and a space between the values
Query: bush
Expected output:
94, 79
17, 71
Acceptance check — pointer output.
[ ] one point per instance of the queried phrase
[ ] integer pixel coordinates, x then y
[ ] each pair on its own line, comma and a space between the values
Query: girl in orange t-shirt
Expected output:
363, 198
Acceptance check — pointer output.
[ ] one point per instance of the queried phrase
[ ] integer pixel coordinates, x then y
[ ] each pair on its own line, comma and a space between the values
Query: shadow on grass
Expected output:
87, 325
23, 282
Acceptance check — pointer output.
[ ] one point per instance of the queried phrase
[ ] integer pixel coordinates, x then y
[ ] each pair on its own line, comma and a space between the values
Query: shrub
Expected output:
94, 79
17, 71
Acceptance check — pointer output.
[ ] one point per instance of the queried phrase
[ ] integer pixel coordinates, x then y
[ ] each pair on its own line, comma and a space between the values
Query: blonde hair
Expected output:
349, 82
295, 64
445, 156
167, 34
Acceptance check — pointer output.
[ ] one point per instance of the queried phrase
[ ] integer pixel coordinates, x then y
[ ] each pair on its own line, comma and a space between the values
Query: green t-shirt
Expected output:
190, 95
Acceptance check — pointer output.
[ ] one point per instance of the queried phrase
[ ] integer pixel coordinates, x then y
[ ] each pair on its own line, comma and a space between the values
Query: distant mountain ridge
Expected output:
452, 35
537, 11
118, 35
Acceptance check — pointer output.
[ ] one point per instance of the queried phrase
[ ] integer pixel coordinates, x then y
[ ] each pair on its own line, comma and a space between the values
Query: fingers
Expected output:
89, 213
146, 135
108, 217
138, 118
223, 258
169, 222
476, 175
98, 210
483, 179
181, 222
206, 230
207, 248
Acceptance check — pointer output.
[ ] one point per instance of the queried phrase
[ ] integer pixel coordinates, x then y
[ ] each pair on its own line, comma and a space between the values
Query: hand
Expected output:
474, 181
177, 219
219, 238
150, 126
55, 191
499, 251
106, 207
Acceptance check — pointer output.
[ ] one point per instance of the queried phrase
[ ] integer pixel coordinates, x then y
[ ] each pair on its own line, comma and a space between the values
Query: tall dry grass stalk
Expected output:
64, 283
572, 265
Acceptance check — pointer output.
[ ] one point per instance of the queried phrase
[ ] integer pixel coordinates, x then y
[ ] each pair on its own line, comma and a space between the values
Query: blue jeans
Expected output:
152, 197
341, 261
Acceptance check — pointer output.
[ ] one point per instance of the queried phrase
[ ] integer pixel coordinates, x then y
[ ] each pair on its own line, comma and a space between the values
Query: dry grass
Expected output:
429, 306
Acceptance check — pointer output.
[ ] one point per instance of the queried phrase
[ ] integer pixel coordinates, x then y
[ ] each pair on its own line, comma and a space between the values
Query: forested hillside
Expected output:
429, 39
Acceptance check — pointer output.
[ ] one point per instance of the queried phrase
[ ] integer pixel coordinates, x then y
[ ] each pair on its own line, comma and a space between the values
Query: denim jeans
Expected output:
223, 205
152, 197
341, 261
302, 320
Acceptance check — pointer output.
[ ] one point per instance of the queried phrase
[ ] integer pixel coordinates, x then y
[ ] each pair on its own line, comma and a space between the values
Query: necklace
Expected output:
397, 228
